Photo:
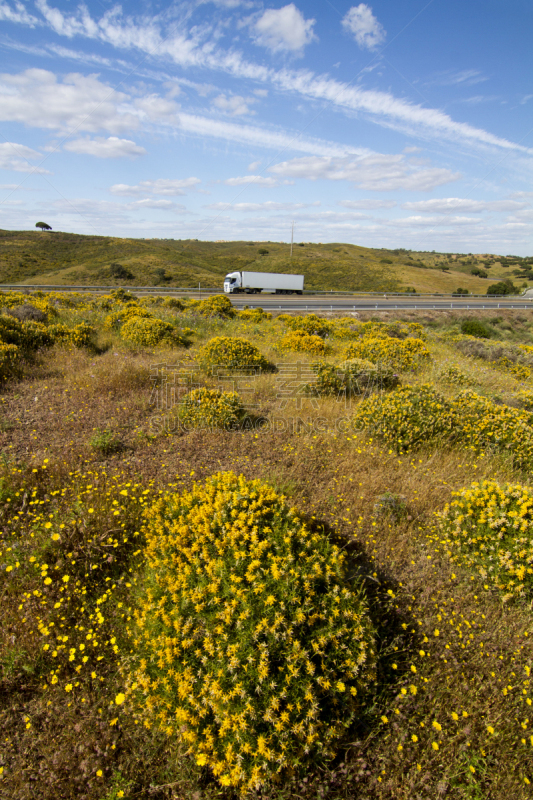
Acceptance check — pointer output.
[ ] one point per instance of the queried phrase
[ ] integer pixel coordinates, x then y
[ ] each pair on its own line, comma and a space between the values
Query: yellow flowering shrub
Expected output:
301, 342
248, 645
352, 377
524, 398
126, 312
9, 359
231, 352
481, 424
402, 355
520, 371
407, 418
454, 376
151, 332
81, 335
412, 416
489, 528
29, 335
310, 324
210, 408
17, 300
216, 306
254, 315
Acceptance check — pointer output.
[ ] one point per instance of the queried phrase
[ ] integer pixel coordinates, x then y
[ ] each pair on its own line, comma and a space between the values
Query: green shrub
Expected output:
105, 442
354, 377
477, 328
248, 645
488, 528
210, 408
233, 353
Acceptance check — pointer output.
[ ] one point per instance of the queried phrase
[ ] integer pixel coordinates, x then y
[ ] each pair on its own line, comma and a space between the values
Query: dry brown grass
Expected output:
336, 477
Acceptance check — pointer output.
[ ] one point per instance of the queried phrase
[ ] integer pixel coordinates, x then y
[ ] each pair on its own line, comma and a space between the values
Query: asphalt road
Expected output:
336, 303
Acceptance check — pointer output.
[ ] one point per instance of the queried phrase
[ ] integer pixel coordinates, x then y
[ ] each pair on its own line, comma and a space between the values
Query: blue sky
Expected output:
386, 125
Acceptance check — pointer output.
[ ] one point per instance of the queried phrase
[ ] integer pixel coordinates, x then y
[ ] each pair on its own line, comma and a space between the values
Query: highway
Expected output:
312, 302
384, 303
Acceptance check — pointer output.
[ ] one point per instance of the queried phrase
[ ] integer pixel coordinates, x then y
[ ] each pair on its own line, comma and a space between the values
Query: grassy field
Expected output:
57, 258
92, 437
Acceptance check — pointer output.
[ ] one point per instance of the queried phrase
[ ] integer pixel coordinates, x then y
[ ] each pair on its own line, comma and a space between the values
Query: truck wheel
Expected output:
299, 292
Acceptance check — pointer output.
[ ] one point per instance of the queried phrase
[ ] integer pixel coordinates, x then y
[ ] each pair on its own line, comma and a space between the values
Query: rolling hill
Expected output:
31, 257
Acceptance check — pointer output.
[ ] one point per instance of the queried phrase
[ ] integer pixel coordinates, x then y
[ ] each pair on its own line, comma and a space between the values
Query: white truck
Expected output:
271, 282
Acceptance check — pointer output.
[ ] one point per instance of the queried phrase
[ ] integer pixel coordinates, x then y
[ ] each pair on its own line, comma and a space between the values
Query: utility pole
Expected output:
292, 236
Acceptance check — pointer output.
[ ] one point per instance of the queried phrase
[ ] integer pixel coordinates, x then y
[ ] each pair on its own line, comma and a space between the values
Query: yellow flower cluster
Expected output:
38, 300
520, 371
81, 335
125, 312
525, 399
210, 408
254, 315
81, 544
411, 416
300, 342
9, 358
489, 528
151, 332
402, 355
216, 306
310, 324
248, 645
233, 353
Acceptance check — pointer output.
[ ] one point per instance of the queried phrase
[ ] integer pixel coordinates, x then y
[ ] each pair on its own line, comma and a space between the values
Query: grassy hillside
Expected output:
64, 258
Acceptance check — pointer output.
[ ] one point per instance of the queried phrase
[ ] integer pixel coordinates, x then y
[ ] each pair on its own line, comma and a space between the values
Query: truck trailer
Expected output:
271, 282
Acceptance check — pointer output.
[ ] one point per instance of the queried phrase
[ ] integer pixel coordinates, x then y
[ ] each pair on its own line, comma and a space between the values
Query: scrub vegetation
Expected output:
65, 258
233, 568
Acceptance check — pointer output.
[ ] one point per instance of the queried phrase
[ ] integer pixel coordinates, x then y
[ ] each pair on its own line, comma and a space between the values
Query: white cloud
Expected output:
367, 204
361, 22
112, 147
284, 29
269, 205
375, 172
161, 186
257, 180
146, 35
17, 156
253, 166
17, 14
452, 205
36, 98
234, 105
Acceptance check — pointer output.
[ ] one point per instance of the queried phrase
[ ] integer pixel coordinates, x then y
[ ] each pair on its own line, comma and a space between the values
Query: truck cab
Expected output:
232, 282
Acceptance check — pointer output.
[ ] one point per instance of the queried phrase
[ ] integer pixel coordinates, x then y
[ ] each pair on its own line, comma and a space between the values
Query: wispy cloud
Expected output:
160, 186
451, 205
17, 157
376, 173
269, 205
112, 147
188, 49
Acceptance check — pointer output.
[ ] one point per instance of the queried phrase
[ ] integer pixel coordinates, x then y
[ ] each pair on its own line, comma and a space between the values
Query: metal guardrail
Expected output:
24, 287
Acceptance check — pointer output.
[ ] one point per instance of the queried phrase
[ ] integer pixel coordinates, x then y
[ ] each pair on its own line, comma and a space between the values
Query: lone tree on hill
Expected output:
43, 226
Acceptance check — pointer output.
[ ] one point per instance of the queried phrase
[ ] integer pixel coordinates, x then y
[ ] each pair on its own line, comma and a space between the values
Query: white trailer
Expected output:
271, 282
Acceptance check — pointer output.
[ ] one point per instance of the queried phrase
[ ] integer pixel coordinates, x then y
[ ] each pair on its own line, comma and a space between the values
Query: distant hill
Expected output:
32, 257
